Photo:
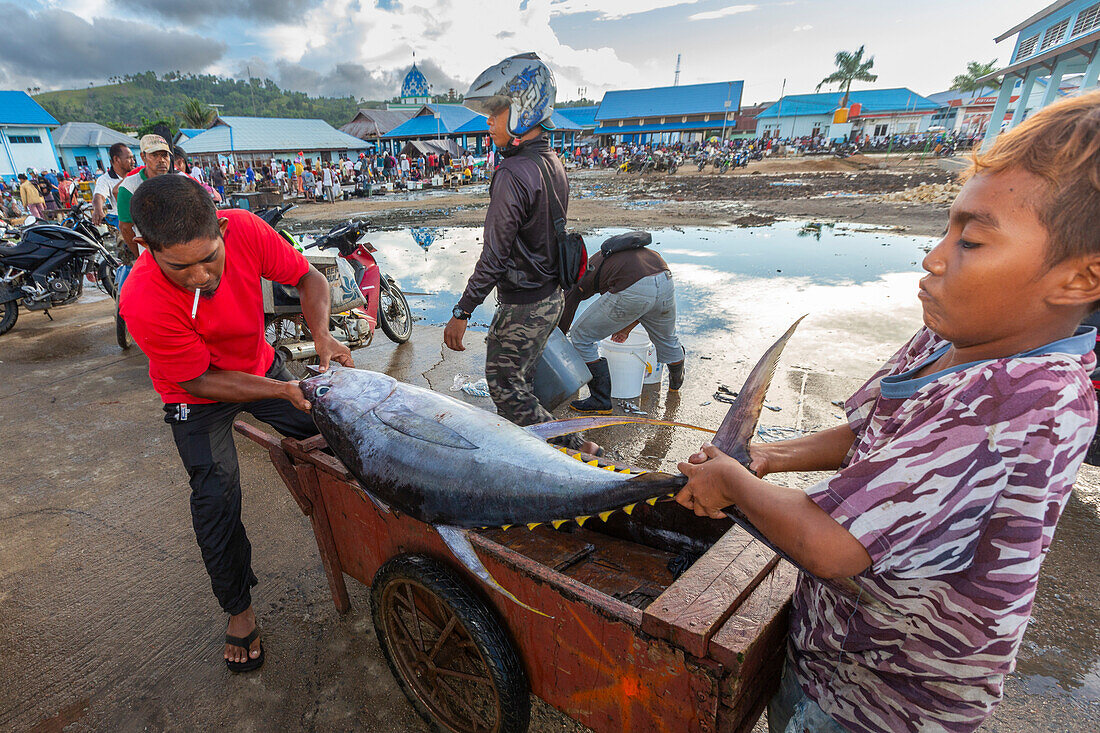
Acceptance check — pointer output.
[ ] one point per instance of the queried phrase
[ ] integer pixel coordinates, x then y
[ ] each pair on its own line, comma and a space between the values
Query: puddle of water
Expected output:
737, 288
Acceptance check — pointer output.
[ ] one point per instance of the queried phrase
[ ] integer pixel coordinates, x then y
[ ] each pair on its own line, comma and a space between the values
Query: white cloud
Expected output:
459, 41
800, 28
612, 9
723, 12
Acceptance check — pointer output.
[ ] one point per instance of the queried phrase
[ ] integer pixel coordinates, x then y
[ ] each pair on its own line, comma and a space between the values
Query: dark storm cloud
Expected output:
199, 10
55, 47
355, 80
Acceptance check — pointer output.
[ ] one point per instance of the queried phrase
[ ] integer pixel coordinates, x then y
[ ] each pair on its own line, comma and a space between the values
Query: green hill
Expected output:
131, 100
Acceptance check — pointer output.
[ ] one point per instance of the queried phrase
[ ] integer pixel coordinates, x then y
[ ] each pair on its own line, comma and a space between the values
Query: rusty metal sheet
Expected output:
693, 608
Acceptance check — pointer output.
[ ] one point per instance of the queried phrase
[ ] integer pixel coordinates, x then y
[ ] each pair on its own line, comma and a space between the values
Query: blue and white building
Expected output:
255, 141
660, 115
25, 136
437, 123
86, 144
1062, 39
876, 113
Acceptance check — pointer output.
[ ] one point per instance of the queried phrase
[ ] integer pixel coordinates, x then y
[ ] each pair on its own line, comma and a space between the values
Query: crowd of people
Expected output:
36, 193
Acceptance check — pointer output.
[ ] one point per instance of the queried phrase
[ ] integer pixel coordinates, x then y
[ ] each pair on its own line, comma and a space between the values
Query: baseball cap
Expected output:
153, 143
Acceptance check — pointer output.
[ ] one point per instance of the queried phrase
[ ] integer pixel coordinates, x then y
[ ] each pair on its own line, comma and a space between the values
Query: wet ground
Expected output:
108, 619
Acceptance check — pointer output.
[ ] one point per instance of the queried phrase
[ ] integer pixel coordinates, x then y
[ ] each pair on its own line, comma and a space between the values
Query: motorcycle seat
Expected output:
21, 248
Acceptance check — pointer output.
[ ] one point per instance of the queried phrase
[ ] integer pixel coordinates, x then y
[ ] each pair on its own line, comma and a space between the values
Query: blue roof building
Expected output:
25, 140
880, 113
1060, 40
474, 134
688, 113
585, 117
88, 145
256, 140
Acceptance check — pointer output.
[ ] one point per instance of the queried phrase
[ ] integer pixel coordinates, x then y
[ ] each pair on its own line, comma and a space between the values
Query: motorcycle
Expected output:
362, 296
62, 257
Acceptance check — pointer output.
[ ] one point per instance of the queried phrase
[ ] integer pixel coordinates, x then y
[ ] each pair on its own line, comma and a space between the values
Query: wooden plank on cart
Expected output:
693, 608
747, 643
280, 460
326, 544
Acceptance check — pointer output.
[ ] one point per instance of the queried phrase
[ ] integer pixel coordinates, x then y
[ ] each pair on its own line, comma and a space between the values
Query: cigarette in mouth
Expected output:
195, 305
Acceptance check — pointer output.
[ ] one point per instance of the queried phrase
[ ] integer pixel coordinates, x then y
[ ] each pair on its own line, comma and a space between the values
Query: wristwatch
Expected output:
460, 314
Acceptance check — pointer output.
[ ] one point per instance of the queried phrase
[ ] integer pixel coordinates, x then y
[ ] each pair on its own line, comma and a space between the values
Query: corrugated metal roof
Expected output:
583, 116
873, 101
434, 119
480, 124
270, 134
666, 127
17, 108
689, 99
90, 135
192, 131
371, 123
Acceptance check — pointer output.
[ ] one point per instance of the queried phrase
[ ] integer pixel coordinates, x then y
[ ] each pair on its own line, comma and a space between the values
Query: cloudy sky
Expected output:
363, 47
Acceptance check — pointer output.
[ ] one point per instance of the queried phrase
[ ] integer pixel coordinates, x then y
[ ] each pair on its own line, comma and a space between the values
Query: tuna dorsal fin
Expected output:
556, 428
739, 424
405, 421
459, 543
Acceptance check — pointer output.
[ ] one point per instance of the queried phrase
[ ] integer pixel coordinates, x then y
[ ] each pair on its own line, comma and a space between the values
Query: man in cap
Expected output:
519, 257
156, 154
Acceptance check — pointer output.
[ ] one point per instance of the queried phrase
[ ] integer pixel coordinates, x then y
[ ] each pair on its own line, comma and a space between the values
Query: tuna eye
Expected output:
321, 391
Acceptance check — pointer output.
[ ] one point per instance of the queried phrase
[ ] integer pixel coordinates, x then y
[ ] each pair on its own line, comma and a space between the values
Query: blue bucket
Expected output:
560, 371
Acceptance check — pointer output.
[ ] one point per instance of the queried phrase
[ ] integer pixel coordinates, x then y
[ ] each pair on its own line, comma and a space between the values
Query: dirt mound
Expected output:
927, 193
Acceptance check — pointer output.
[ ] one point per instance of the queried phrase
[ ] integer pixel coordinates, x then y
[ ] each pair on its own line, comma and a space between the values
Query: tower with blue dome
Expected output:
415, 88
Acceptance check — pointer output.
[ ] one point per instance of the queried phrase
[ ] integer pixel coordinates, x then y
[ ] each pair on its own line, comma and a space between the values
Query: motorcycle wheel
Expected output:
122, 334
106, 278
9, 314
394, 315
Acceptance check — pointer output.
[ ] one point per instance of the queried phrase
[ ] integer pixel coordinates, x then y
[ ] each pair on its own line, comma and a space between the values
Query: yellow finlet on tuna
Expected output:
581, 520
558, 522
605, 515
593, 462
532, 525
629, 508
506, 526
652, 501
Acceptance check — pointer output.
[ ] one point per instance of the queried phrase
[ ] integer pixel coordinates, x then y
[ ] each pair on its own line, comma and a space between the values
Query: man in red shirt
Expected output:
194, 305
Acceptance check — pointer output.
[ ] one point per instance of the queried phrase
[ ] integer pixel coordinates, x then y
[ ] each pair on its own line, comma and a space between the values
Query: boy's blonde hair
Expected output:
1060, 144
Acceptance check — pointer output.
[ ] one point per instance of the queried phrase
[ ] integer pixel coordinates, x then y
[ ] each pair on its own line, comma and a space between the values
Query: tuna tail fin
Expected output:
740, 422
459, 544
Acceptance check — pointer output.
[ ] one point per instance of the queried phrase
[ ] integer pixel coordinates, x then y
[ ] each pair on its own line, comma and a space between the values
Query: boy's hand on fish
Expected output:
711, 476
453, 333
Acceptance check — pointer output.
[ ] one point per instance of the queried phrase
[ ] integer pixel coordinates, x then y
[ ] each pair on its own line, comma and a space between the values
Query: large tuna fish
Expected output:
459, 467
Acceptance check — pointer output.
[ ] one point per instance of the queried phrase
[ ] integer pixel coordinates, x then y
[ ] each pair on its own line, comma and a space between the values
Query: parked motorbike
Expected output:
363, 297
61, 258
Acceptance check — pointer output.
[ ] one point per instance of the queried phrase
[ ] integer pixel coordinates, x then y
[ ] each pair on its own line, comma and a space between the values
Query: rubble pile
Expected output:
927, 193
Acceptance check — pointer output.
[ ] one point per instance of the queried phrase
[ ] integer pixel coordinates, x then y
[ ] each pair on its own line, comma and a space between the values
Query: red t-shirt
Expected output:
228, 331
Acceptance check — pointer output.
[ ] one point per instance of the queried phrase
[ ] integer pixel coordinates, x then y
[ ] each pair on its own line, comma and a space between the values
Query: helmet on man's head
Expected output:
524, 84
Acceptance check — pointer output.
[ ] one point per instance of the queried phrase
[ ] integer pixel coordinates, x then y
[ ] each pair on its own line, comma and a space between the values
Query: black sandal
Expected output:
245, 643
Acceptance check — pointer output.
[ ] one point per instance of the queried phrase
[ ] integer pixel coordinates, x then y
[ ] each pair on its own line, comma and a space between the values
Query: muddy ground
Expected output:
827, 189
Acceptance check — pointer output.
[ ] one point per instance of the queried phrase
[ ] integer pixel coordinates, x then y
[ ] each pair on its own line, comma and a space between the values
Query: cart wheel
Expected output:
447, 649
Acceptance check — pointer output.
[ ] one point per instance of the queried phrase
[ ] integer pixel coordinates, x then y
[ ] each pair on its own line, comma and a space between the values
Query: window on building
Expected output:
81, 161
1027, 47
1054, 35
816, 131
25, 138
1087, 19
880, 130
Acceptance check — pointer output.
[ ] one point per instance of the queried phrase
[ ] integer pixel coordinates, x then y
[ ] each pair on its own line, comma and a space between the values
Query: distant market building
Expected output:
687, 113
25, 136
88, 145
1061, 40
876, 113
474, 135
438, 123
369, 125
255, 141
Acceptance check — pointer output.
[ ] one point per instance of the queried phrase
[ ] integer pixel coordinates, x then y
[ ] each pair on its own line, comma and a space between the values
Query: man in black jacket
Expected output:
519, 254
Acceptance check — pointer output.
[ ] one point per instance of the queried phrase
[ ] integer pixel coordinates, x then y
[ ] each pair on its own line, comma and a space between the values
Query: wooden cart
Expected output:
624, 645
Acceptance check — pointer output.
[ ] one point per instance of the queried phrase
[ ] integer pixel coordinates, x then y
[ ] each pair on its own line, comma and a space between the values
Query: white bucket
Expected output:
627, 364
654, 370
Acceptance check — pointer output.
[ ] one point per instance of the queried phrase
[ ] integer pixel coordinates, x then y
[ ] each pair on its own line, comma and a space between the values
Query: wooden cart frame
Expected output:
624, 645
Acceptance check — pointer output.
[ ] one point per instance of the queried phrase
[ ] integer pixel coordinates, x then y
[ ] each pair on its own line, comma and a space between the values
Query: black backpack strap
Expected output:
557, 215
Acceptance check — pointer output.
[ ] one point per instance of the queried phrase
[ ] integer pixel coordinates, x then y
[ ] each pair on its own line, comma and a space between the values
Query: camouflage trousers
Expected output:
516, 339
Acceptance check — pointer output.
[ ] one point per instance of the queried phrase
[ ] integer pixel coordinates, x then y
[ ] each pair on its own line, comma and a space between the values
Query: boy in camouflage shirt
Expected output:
956, 461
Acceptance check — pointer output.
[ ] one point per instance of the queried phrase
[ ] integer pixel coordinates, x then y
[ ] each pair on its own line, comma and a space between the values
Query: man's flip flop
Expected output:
245, 643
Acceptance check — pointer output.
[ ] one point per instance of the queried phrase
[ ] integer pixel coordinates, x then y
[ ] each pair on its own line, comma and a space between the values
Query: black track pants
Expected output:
204, 438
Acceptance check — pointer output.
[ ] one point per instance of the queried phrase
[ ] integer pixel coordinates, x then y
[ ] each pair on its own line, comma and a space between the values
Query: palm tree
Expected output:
196, 114
850, 67
975, 70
